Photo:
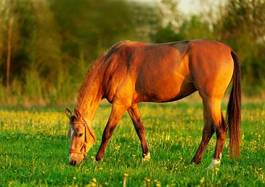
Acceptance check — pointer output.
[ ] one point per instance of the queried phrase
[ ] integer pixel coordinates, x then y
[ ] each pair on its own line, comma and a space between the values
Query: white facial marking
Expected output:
71, 135
72, 132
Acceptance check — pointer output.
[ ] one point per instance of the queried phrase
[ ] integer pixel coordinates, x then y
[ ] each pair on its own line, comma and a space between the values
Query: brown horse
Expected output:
133, 72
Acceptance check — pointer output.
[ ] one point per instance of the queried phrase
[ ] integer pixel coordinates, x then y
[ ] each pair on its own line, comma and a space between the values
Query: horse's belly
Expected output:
164, 88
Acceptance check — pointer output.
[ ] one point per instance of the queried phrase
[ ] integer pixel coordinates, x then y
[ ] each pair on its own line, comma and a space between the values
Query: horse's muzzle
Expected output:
76, 159
72, 162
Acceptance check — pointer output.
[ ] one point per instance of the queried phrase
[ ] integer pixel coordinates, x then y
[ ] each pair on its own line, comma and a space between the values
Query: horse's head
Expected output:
81, 137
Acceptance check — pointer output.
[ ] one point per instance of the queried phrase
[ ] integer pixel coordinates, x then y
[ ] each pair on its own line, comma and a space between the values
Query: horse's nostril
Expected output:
72, 162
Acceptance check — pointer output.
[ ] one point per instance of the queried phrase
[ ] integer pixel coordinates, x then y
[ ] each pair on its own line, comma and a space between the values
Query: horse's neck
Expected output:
90, 95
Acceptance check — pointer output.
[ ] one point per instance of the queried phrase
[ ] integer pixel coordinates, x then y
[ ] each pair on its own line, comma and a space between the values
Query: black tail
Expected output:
233, 110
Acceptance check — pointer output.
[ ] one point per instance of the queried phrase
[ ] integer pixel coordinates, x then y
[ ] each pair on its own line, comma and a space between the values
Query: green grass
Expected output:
34, 149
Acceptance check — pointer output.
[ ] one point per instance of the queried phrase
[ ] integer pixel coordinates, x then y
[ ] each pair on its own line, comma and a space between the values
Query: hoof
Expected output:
98, 158
195, 162
214, 164
146, 157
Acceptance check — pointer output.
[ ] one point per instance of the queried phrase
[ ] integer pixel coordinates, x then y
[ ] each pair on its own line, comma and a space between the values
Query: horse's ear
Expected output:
77, 114
68, 112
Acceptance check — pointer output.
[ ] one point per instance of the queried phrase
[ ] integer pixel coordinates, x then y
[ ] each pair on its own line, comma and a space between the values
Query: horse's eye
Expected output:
80, 134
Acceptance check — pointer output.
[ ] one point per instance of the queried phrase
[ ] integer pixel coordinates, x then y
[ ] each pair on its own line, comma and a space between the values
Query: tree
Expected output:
177, 27
7, 14
51, 43
242, 25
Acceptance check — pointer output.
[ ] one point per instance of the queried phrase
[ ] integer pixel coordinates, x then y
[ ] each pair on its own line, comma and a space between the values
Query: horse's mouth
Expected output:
75, 159
75, 162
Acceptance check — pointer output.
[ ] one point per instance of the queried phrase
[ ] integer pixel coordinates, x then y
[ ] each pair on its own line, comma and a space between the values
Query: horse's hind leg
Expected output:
213, 121
139, 127
207, 133
220, 134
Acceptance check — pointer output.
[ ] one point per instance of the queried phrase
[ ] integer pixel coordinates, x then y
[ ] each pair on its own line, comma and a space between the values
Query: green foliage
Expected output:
59, 39
196, 28
193, 28
34, 149
90, 26
166, 34
33, 85
23, 31
242, 26
146, 20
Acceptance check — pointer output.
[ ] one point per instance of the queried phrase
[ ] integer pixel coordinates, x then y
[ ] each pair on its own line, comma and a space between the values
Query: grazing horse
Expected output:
132, 72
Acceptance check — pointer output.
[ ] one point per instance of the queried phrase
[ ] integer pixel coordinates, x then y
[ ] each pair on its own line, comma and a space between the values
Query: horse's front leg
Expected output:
115, 116
139, 127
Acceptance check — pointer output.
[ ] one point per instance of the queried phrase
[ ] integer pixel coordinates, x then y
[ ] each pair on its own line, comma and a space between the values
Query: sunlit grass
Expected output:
34, 149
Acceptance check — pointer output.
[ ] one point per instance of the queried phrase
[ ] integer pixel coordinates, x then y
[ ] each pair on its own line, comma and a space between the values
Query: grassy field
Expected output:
34, 149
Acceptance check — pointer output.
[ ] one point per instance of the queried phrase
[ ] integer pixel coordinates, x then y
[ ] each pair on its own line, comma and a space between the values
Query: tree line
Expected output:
47, 46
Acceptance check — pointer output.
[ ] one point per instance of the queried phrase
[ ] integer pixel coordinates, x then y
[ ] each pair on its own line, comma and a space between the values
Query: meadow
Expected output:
34, 149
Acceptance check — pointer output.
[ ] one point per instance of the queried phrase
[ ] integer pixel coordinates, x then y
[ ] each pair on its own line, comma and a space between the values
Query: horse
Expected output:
131, 72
